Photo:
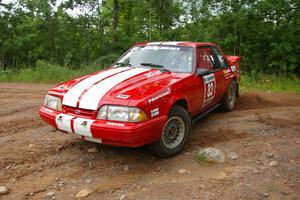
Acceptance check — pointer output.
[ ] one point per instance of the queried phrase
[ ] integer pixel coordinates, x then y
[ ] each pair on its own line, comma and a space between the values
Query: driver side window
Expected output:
205, 58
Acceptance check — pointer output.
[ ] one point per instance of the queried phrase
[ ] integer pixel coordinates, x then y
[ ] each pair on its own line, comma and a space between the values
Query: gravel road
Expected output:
263, 134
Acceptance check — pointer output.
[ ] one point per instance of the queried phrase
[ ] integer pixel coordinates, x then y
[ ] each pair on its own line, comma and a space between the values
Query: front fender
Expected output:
175, 97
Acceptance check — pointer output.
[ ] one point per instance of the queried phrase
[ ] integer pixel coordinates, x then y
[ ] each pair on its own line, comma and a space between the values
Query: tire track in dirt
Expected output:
19, 120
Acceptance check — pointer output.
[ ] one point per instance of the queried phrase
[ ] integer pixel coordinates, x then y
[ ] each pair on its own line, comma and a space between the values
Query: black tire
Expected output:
229, 99
176, 118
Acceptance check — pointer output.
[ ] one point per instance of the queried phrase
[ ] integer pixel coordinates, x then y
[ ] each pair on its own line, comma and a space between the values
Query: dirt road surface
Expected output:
38, 162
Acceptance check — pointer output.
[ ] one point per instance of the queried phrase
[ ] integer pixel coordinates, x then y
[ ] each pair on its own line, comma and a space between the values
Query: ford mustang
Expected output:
150, 96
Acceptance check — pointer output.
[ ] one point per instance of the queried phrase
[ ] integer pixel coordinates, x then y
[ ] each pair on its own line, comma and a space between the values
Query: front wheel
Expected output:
174, 134
229, 99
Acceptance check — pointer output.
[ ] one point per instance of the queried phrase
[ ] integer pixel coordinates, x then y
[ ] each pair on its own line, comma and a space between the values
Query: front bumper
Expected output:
106, 132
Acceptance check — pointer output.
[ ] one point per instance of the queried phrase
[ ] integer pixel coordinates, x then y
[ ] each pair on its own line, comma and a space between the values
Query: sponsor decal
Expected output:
151, 74
209, 88
84, 123
123, 96
83, 127
115, 124
208, 78
154, 112
170, 43
233, 68
164, 93
62, 87
48, 110
226, 71
75, 125
63, 122
161, 47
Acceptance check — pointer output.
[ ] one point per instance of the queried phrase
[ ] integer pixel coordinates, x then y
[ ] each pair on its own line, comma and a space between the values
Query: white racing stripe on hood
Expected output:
91, 98
72, 96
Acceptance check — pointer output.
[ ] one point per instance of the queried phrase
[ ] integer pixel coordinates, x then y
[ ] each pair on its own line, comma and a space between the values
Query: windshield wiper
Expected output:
121, 64
155, 65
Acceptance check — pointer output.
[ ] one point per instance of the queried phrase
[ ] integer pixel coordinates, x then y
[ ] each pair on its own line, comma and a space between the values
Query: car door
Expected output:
205, 62
221, 71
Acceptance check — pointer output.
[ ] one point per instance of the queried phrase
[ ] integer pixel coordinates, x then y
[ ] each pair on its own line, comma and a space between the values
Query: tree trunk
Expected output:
160, 18
115, 21
150, 23
1, 58
235, 38
100, 22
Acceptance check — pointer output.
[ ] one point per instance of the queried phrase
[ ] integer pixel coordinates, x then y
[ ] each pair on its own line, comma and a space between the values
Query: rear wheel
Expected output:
229, 99
174, 134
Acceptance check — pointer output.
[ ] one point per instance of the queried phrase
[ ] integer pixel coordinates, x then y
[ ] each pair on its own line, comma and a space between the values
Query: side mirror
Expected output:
202, 72
233, 59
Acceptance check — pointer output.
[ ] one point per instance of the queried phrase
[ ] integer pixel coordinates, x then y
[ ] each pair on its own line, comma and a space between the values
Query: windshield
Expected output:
172, 58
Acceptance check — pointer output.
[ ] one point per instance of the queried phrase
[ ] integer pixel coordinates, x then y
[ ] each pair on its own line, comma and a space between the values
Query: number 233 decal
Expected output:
209, 88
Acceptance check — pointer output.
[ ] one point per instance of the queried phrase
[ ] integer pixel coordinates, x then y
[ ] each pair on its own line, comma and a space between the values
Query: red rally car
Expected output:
151, 96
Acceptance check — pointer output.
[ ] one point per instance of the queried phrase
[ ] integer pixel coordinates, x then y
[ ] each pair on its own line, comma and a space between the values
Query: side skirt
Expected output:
203, 114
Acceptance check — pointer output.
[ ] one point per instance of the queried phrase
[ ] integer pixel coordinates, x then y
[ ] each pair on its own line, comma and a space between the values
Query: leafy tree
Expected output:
77, 33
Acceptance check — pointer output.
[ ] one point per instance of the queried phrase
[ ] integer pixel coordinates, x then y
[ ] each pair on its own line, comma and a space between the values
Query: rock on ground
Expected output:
273, 163
93, 150
88, 181
123, 197
84, 192
3, 190
50, 194
212, 154
233, 155
126, 168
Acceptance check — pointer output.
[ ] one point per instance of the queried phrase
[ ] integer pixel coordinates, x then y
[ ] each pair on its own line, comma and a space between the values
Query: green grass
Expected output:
270, 83
201, 157
45, 72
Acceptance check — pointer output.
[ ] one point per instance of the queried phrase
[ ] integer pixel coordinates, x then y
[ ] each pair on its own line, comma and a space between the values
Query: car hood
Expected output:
116, 86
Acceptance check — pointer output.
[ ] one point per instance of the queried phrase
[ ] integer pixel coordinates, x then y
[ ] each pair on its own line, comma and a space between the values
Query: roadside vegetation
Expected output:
45, 72
272, 83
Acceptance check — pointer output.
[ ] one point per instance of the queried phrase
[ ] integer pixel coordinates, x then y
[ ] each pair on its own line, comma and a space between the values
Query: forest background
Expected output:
55, 40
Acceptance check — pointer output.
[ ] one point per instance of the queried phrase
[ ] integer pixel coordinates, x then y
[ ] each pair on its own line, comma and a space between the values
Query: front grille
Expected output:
79, 111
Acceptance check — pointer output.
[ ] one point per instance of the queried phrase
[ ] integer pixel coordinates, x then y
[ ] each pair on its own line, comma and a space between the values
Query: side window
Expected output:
221, 62
205, 58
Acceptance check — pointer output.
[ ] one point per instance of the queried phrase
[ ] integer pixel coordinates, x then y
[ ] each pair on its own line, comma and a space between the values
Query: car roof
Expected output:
177, 43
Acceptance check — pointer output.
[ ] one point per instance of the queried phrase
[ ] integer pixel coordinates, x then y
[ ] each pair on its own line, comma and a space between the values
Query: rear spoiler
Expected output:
233, 59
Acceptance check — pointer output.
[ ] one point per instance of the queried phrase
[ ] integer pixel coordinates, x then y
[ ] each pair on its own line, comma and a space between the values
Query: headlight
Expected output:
121, 113
53, 102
